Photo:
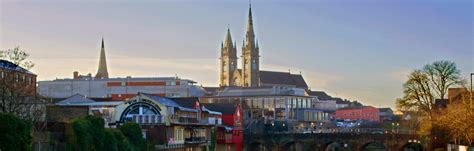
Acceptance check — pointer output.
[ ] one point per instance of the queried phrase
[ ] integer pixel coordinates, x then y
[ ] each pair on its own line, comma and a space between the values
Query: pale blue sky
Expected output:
360, 49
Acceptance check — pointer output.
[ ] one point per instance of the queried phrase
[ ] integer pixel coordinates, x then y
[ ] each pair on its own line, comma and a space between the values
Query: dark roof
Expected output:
385, 109
224, 108
188, 102
320, 94
354, 107
283, 78
11, 66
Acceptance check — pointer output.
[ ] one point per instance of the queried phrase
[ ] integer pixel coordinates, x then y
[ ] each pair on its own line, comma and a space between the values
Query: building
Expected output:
340, 104
266, 105
230, 135
119, 88
367, 113
102, 72
18, 92
15, 77
169, 124
101, 86
250, 74
386, 115
323, 100
104, 109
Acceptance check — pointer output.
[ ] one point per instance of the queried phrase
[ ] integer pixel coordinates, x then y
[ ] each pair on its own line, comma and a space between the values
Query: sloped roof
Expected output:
11, 66
168, 102
320, 94
75, 99
282, 78
204, 109
186, 102
385, 109
355, 107
224, 108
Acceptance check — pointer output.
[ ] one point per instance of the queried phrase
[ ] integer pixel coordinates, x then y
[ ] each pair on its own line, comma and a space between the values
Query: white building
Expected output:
119, 88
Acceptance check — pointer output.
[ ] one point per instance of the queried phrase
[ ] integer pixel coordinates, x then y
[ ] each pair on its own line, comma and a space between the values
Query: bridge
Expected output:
348, 139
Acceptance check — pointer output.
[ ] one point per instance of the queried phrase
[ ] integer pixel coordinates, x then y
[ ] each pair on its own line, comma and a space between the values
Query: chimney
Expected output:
76, 75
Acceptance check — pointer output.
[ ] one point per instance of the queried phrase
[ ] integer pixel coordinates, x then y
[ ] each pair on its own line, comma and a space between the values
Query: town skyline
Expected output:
333, 76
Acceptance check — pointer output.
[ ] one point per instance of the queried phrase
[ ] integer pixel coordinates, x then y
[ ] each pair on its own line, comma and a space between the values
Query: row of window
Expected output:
315, 116
18, 78
280, 103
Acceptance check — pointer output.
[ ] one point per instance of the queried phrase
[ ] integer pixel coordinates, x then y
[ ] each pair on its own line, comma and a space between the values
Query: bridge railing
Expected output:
352, 130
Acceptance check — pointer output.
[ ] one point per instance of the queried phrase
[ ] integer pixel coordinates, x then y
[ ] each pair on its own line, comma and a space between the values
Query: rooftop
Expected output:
4, 64
282, 78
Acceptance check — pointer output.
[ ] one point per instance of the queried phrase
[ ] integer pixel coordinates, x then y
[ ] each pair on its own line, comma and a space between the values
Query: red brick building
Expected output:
230, 136
15, 77
368, 113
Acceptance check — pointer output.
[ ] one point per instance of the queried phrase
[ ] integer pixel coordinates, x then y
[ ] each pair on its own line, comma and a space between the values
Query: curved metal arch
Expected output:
365, 144
130, 108
412, 143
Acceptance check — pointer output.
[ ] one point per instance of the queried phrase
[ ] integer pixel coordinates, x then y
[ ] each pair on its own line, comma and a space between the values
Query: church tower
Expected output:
228, 62
250, 57
102, 73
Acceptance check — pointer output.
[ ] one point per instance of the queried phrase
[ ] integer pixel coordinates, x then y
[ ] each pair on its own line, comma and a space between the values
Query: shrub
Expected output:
134, 135
15, 133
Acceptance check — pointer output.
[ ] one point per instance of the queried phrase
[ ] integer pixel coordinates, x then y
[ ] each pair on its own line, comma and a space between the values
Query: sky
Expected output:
356, 49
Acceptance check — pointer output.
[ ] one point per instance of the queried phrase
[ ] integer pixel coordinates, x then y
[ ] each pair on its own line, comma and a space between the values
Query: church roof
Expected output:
283, 78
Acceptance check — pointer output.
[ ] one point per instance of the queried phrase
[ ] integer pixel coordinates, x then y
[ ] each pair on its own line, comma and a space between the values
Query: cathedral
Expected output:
250, 75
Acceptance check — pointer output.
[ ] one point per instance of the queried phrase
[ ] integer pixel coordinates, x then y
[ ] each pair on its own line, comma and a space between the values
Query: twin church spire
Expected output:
248, 76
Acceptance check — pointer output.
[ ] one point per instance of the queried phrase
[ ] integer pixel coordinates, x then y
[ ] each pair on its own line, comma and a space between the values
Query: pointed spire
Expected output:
102, 71
228, 39
250, 20
102, 47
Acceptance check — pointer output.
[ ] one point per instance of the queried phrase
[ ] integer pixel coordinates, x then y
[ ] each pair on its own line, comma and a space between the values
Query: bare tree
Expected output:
17, 93
18, 57
443, 74
424, 86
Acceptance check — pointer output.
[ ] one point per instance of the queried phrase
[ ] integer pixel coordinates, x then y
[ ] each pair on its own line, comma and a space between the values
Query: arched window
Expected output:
140, 110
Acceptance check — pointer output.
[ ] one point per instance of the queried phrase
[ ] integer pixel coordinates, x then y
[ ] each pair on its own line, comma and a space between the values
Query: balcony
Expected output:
145, 119
195, 140
179, 119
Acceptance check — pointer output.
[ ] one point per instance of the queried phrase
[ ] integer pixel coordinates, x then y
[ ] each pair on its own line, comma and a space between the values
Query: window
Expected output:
17, 77
170, 82
123, 83
3, 75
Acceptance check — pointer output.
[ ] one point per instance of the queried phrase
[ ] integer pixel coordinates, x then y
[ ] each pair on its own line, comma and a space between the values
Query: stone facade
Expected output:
248, 76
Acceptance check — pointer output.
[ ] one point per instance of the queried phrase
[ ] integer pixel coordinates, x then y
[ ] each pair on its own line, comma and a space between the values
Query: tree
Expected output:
421, 90
15, 133
430, 83
17, 93
443, 74
134, 135
18, 57
110, 141
457, 121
